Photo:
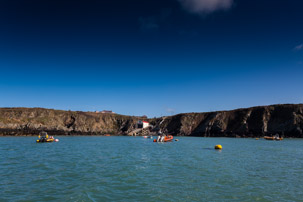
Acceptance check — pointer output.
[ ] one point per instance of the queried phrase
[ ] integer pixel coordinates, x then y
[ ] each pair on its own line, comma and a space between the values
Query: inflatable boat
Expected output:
167, 138
43, 137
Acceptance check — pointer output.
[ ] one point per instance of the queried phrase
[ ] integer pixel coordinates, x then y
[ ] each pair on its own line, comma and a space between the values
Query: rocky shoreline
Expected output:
285, 120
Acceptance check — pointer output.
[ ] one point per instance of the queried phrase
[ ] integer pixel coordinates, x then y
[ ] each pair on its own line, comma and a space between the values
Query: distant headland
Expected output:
285, 120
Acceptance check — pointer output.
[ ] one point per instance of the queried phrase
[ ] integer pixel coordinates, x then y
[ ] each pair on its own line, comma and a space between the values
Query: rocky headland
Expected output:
285, 120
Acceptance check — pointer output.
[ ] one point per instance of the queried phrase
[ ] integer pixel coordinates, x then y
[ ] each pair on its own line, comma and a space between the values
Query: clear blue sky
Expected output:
150, 57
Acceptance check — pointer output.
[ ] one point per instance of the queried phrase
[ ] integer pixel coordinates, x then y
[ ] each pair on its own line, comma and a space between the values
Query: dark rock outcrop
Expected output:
286, 120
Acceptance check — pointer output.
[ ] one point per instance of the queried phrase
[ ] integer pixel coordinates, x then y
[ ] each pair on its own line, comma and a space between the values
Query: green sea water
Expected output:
137, 169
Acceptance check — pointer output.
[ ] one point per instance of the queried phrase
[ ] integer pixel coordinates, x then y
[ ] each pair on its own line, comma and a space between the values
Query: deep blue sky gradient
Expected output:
149, 57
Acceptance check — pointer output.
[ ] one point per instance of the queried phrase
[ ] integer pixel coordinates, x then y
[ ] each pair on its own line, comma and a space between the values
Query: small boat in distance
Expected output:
165, 138
43, 137
276, 137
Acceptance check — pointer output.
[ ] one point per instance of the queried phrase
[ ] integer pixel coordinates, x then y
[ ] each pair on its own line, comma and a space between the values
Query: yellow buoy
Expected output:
218, 146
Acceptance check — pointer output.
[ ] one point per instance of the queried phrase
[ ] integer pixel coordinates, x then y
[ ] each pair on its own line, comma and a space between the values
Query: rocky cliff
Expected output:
30, 121
286, 120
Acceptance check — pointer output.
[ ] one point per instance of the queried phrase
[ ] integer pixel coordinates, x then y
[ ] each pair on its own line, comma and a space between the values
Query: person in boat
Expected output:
162, 138
43, 136
159, 136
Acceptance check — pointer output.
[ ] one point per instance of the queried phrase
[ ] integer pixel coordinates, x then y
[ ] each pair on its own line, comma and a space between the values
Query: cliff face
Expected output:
30, 121
286, 120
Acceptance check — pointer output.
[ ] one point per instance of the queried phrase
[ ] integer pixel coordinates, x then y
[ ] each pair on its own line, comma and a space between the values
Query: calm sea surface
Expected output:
137, 169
